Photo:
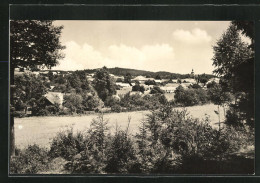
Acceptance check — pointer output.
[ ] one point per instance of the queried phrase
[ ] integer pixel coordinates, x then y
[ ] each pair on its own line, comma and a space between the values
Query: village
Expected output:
167, 87
131, 97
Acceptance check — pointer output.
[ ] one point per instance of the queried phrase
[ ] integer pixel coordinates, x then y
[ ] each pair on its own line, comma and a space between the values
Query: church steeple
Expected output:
192, 73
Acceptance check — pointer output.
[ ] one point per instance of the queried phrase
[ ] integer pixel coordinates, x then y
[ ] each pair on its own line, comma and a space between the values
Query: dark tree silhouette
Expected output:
34, 44
234, 62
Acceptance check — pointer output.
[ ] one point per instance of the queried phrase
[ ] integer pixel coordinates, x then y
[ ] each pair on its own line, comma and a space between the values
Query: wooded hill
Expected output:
134, 72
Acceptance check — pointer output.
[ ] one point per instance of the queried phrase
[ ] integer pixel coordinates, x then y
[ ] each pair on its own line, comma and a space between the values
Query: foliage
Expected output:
29, 161
234, 62
91, 101
73, 102
155, 90
66, 144
120, 154
137, 87
158, 77
150, 82
211, 84
218, 96
195, 86
34, 43
127, 78
103, 84
168, 141
29, 93
190, 96
203, 78
116, 108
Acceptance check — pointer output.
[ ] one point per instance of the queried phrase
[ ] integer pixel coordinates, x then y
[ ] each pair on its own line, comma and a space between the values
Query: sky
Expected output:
173, 46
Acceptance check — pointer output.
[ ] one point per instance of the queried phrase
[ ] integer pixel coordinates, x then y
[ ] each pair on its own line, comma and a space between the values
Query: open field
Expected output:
40, 130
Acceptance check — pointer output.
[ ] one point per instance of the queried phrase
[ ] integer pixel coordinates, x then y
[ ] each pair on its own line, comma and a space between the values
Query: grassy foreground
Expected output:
168, 142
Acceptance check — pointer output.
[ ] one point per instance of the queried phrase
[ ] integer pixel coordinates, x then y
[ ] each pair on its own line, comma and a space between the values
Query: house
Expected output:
158, 81
135, 93
123, 84
54, 98
188, 80
168, 89
44, 72
142, 79
51, 87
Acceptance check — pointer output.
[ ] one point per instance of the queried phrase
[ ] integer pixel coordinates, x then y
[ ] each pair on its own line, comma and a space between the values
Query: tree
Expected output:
234, 62
150, 82
203, 79
127, 78
73, 102
137, 87
33, 44
211, 84
219, 97
155, 90
158, 77
104, 84
179, 81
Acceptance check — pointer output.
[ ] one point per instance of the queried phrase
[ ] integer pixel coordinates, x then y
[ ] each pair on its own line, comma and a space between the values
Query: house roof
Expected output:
54, 97
140, 78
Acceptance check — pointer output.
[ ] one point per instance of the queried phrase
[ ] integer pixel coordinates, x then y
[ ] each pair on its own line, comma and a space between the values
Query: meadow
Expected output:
41, 130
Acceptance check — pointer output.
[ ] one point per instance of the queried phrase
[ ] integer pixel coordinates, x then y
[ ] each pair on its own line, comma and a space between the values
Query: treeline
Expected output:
134, 72
168, 141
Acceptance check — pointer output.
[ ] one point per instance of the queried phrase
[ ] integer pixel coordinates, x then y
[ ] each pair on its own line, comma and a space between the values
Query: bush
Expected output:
155, 90
202, 95
195, 86
66, 145
29, 161
190, 97
121, 154
53, 109
116, 108
137, 87
233, 118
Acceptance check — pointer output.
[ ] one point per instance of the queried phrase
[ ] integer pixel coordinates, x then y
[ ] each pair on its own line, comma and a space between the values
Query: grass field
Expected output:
40, 130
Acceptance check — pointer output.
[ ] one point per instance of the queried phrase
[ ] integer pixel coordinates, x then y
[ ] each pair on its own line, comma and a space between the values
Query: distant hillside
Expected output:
134, 72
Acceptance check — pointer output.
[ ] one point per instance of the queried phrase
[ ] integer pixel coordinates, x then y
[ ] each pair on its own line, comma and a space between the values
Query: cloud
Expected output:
152, 57
195, 36
149, 57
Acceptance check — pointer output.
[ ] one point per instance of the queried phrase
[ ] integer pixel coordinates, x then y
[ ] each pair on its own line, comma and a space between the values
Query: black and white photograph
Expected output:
132, 97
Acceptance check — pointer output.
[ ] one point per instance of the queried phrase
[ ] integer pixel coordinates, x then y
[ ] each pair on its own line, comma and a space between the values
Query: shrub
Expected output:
202, 95
121, 154
155, 90
73, 102
212, 84
233, 118
188, 137
29, 161
66, 144
195, 86
116, 108
137, 87
150, 82
190, 97
92, 159
53, 109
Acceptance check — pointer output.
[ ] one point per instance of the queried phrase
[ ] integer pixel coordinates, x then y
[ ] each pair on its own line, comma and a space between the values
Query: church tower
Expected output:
192, 74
